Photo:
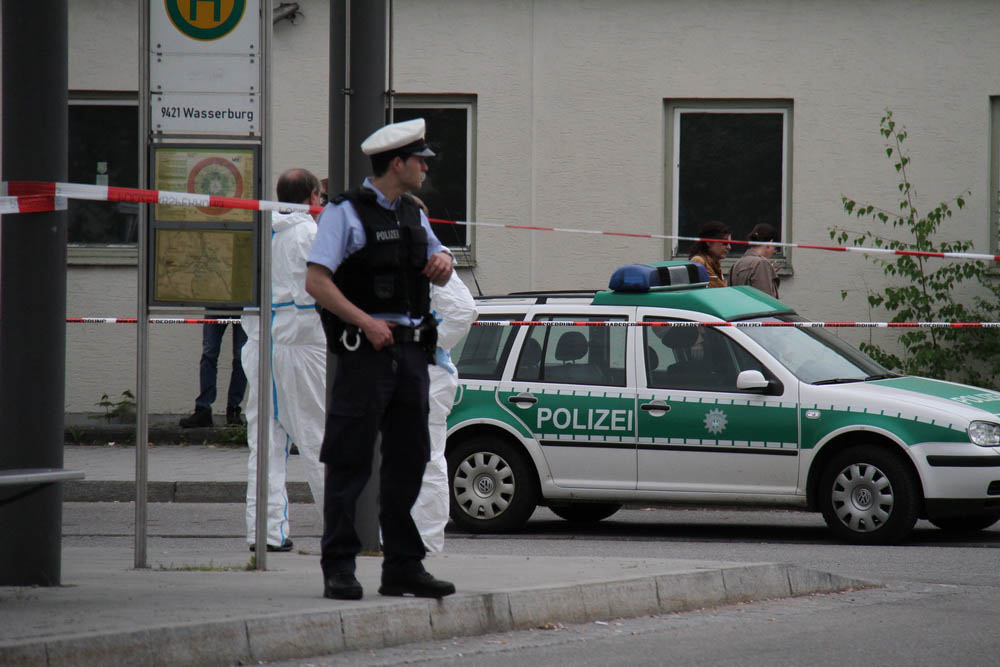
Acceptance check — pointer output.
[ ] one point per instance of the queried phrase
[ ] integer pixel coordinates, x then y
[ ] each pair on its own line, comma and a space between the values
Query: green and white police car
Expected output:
583, 419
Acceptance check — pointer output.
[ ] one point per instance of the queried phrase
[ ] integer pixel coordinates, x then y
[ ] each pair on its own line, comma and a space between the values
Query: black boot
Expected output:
201, 417
342, 587
233, 417
417, 584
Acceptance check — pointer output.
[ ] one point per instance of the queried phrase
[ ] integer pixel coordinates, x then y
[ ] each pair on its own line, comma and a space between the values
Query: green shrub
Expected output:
923, 289
121, 411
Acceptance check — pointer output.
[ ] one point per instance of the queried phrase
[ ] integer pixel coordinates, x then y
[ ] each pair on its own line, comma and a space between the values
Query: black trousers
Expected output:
375, 391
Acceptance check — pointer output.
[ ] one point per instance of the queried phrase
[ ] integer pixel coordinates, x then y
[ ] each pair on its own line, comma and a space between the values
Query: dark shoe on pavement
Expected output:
233, 417
285, 546
200, 417
421, 585
342, 587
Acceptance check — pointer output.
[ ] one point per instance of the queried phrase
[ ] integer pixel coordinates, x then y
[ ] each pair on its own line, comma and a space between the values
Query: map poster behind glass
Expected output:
203, 266
214, 170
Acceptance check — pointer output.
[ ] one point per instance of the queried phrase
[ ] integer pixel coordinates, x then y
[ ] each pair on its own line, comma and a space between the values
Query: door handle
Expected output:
656, 406
518, 399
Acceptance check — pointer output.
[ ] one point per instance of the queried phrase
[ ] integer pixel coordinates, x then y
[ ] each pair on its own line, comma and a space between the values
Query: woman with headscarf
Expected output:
710, 253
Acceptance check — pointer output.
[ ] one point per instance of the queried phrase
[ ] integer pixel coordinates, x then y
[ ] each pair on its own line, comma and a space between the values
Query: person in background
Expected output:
211, 343
324, 198
754, 268
298, 365
711, 253
455, 310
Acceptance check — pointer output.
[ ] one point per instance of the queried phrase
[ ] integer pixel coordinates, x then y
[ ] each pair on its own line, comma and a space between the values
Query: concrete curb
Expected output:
161, 434
404, 621
172, 492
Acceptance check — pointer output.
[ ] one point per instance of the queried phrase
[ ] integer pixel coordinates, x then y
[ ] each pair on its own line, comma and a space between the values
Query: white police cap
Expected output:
406, 137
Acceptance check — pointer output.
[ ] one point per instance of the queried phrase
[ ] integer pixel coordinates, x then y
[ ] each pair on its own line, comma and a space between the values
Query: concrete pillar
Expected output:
33, 290
358, 85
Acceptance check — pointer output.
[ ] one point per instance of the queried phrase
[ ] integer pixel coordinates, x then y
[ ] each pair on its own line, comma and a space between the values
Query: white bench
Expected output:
35, 476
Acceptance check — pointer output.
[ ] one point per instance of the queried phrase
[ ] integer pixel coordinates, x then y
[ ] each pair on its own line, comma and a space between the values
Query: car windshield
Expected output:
815, 356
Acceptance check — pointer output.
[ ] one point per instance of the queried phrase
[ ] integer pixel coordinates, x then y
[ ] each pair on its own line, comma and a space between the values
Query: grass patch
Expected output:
211, 567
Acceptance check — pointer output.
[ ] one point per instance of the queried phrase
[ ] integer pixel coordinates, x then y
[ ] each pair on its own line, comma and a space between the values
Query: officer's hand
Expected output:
438, 268
378, 332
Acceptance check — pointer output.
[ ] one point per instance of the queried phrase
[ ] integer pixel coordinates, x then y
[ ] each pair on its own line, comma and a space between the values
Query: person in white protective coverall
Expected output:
455, 311
298, 365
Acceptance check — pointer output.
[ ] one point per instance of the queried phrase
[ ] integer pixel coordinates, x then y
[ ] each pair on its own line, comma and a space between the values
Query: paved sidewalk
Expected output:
107, 613
211, 473
198, 604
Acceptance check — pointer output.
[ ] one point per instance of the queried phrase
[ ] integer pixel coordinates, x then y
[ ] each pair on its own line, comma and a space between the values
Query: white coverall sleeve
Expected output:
305, 235
456, 309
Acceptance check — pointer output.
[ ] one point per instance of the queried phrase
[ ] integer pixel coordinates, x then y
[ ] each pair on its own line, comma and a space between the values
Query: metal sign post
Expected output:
203, 81
264, 360
142, 308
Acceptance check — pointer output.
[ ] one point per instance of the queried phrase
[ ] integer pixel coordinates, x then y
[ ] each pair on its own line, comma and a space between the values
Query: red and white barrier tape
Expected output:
31, 204
22, 189
743, 324
153, 320
599, 323
42, 193
807, 246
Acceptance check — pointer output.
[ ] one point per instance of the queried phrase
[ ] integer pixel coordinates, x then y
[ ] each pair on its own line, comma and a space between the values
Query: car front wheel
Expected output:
869, 496
493, 486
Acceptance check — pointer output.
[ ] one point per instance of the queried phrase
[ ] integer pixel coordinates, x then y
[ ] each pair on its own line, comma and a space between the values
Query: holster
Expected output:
428, 329
340, 336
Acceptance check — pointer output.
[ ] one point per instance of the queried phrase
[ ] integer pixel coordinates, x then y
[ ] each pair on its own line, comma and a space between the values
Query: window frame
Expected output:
466, 254
993, 202
88, 254
734, 348
547, 345
508, 338
673, 110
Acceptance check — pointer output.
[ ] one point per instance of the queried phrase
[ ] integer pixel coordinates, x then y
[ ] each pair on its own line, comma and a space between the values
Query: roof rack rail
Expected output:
541, 295
558, 292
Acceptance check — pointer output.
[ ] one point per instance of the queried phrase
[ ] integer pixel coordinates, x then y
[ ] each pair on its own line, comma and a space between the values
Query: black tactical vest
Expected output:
385, 276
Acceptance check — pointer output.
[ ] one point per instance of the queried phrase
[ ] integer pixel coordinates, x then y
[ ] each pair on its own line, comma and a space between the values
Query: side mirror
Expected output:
751, 381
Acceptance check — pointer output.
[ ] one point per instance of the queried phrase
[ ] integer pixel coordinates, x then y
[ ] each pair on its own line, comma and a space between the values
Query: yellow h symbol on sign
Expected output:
226, 15
216, 10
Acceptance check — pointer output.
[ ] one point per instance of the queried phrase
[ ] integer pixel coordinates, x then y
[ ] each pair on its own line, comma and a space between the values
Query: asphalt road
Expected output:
937, 606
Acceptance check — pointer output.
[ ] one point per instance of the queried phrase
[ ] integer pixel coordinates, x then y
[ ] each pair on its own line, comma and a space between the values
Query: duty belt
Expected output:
350, 337
401, 334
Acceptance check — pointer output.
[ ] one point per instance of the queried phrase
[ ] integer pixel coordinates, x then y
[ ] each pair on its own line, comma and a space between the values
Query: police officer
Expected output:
370, 272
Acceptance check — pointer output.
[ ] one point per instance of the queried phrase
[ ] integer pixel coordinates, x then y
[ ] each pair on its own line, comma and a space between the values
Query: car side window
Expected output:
482, 353
574, 354
694, 357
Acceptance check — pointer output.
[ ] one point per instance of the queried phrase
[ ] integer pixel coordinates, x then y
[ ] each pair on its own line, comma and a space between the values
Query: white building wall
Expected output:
583, 85
571, 132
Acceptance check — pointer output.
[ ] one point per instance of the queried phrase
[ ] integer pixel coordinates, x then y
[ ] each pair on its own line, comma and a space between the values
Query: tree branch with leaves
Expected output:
919, 293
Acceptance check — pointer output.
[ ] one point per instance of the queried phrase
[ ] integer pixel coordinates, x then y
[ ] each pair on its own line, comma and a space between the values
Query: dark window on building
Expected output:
446, 189
103, 150
730, 167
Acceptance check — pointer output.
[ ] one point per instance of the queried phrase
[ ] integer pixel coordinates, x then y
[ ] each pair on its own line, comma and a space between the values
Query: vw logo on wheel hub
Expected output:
484, 486
863, 497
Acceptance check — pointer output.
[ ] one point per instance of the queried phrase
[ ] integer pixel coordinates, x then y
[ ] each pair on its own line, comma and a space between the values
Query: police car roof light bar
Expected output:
657, 277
